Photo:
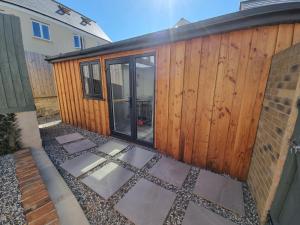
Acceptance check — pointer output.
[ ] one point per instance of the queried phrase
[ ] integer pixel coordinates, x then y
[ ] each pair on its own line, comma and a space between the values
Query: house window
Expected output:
40, 30
91, 79
77, 41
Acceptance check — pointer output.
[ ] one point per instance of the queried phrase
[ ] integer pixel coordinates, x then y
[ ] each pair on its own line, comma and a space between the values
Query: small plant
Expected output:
9, 134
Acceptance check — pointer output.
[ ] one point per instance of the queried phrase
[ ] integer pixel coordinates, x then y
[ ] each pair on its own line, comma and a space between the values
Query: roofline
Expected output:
73, 10
11, 3
265, 15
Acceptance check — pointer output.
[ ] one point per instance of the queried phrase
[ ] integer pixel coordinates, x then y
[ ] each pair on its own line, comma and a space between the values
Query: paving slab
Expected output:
171, 171
197, 215
68, 138
113, 147
221, 190
137, 157
146, 203
79, 146
82, 164
108, 179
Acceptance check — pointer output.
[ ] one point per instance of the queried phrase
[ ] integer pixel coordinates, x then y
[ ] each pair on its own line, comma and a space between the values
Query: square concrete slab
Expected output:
146, 203
108, 179
221, 190
137, 157
79, 146
68, 138
82, 164
113, 147
171, 171
197, 215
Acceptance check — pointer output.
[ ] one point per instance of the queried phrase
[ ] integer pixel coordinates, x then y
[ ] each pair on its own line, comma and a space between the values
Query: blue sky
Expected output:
122, 19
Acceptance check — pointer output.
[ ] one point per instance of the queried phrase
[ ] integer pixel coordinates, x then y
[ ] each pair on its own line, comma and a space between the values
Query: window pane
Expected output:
77, 42
145, 70
86, 78
36, 29
45, 30
96, 79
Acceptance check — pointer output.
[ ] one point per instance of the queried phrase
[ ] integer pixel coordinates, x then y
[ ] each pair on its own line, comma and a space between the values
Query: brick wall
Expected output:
47, 106
279, 107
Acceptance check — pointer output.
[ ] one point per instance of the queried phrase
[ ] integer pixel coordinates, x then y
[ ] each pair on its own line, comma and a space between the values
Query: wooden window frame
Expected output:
92, 95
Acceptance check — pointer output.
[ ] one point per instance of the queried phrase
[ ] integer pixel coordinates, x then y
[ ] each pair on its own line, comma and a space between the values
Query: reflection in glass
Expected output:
120, 88
96, 79
86, 77
145, 71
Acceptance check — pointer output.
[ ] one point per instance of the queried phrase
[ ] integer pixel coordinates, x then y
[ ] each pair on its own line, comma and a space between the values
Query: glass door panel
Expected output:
144, 86
120, 98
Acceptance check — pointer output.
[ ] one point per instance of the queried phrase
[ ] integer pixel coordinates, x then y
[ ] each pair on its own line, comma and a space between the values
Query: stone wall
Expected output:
47, 106
277, 117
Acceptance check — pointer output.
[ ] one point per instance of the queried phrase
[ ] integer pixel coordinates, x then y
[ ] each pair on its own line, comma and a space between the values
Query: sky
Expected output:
122, 19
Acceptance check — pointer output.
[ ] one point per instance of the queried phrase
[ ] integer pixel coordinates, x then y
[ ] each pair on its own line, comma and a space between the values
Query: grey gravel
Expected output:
11, 210
100, 211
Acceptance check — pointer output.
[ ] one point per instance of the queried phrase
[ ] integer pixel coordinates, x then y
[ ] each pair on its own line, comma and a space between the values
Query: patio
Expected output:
117, 182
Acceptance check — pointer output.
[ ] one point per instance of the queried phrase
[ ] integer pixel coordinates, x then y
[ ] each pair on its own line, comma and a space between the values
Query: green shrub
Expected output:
9, 134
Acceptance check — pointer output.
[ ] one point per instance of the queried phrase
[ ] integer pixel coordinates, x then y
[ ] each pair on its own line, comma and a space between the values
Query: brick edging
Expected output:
38, 207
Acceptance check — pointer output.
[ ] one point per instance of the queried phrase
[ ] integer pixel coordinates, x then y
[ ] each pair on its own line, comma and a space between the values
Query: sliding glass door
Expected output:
131, 97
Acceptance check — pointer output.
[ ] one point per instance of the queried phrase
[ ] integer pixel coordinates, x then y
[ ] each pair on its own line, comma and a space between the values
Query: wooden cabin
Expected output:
194, 92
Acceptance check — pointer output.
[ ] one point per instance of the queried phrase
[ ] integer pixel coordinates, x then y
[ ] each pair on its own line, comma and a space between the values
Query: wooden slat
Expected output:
221, 108
175, 97
12, 62
246, 37
6, 83
285, 37
162, 100
296, 36
206, 89
190, 94
92, 115
58, 91
263, 45
63, 81
20, 57
67, 88
71, 93
75, 93
79, 94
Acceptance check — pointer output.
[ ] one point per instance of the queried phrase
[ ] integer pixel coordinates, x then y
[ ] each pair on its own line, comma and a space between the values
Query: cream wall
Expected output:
61, 34
30, 134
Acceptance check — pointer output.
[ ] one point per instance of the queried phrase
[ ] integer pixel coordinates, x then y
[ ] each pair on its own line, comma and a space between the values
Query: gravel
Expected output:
11, 210
99, 211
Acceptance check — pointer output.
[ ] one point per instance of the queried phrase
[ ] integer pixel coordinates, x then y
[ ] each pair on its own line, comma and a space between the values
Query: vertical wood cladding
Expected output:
209, 94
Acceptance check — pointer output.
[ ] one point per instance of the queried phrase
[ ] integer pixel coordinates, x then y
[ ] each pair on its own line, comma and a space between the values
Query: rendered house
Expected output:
50, 28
